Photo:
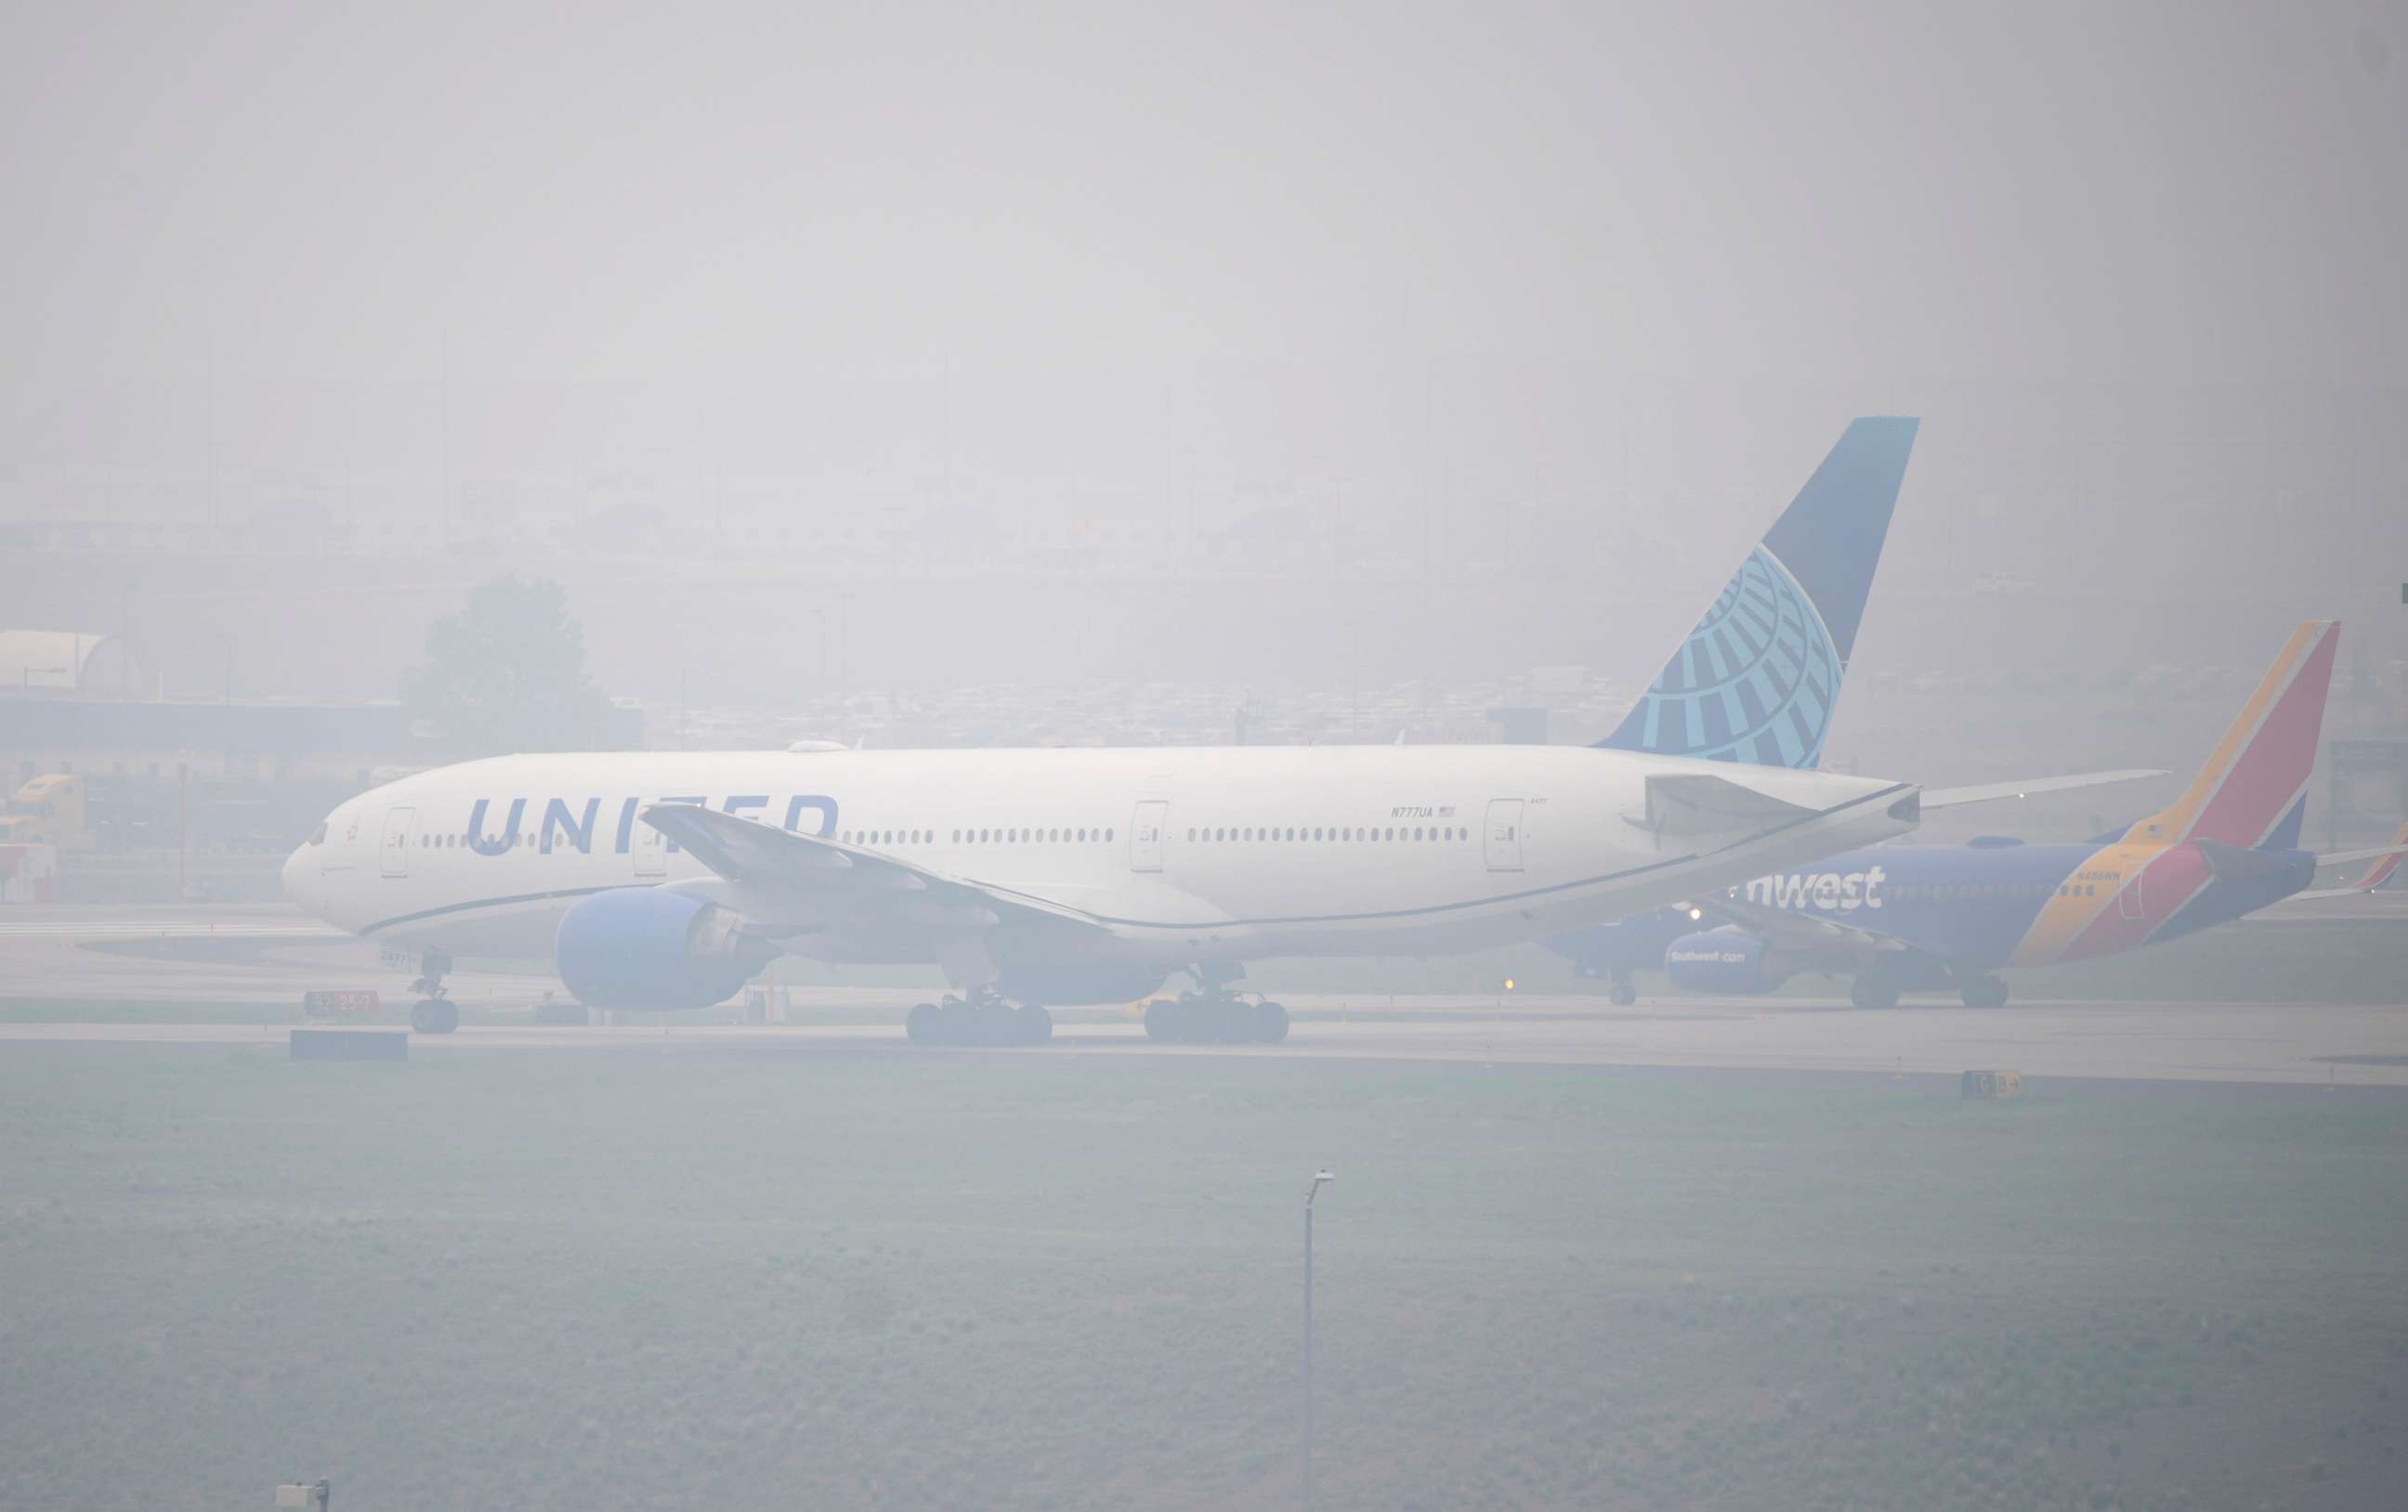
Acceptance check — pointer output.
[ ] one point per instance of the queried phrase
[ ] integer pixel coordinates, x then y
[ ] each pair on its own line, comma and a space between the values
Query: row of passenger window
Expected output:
1952, 891
860, 837
1447, 833
981, 837
492, 842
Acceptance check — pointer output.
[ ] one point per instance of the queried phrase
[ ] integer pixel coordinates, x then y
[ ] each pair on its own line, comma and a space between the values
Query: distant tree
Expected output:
508, 673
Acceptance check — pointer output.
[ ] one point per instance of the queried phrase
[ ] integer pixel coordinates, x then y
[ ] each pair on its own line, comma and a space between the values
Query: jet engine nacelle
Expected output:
1723, 960
645, 950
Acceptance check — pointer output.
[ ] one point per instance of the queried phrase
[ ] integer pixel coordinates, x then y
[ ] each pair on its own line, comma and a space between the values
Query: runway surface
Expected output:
110, 967
2222, 1042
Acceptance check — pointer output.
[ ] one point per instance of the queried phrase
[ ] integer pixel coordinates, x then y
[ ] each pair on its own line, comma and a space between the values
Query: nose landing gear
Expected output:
434, 1013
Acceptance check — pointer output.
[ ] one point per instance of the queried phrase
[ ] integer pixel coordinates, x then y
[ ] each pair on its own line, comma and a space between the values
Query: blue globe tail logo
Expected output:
1756, 681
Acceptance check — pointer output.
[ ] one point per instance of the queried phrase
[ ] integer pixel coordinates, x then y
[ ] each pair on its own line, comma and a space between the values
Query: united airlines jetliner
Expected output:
1917, 918
663, 880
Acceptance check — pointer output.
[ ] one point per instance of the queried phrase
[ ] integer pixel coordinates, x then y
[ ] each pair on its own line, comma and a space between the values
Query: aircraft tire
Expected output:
1622, 995
1036, 1025
1985, 992
1873, 995
920, 1024
1233, 1021
433, 1015
1162, 1021
955, 1023
1270, 1023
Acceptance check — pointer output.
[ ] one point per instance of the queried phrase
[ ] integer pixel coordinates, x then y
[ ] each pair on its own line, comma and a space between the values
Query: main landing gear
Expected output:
1622, 992
432, 1013
1984, 992
1873, 992
983, 1017
1216, 1018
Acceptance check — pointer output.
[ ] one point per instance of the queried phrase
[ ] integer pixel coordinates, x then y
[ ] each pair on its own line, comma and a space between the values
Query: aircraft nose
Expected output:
301, 880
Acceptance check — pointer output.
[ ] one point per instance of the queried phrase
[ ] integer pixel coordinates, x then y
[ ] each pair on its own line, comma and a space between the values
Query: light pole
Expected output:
1309, 1193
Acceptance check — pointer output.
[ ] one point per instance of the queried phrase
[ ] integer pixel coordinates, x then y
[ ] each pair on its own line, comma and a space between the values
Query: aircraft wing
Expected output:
2342, 858
1796, 933
784, 864
1991, 792
2386, 857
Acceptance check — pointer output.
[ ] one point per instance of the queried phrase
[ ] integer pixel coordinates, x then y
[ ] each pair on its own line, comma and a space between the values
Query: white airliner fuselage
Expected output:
1159, 858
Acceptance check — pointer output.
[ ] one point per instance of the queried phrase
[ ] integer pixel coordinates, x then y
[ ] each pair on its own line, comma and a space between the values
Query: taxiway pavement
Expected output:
125, 965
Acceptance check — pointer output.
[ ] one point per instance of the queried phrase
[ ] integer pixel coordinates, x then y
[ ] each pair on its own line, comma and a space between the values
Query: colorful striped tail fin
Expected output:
2259, 776
1758, 678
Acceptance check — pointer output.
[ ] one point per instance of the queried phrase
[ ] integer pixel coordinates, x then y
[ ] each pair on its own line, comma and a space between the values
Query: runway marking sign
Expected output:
350, 1003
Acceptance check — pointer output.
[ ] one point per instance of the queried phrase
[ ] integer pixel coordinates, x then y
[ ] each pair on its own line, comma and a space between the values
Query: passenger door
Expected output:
1503, 836
2128, 900
1145, 834
398, 824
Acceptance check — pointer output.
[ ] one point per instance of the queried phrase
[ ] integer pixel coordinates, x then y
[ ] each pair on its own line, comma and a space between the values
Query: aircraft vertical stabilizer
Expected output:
2259, 776
1759, 676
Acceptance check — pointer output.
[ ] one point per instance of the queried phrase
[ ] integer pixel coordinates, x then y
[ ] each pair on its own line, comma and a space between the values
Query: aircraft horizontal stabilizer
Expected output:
2343, 858
1991, 792
2387, 859
1698, 803
2387, 862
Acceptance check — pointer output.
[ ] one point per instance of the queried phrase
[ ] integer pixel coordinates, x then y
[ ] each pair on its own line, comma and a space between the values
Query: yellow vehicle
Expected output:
47, 810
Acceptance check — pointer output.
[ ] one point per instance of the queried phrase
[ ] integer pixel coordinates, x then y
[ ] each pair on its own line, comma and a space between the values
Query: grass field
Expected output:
613, 1279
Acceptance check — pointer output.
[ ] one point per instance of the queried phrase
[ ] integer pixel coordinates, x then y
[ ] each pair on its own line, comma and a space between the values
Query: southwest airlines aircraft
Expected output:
1920, 917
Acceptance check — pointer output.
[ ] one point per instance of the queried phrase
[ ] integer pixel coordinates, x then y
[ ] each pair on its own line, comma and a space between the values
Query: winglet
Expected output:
1759, 676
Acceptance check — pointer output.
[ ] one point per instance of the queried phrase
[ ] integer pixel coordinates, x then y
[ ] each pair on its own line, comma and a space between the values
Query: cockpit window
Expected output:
317, 837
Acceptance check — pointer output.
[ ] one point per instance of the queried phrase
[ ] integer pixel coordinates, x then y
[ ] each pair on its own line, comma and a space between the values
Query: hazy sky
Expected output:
2138, 264
1057, 217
